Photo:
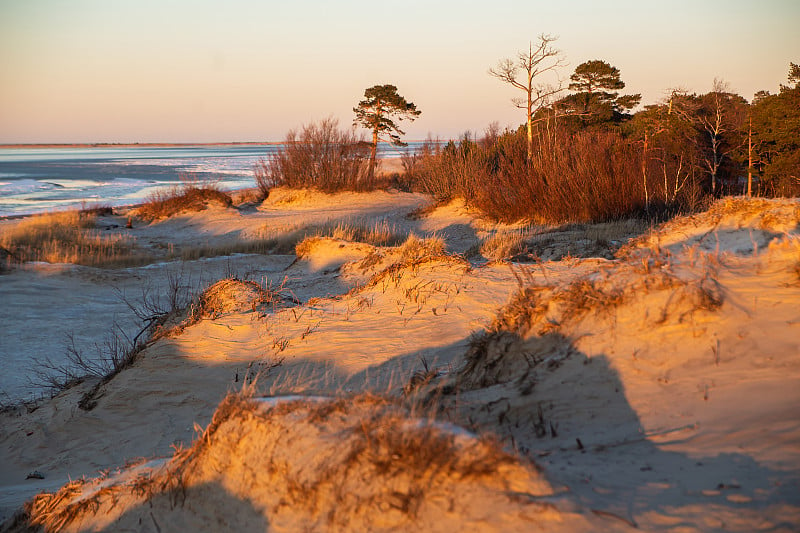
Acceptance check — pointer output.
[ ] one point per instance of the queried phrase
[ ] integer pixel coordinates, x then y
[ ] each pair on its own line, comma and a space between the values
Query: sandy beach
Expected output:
615, 377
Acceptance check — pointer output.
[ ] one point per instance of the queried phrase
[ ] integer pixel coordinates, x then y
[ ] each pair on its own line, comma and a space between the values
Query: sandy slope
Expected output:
658, 390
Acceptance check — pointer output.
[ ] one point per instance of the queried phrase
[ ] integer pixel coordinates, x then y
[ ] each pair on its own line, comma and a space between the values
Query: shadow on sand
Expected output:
568, 412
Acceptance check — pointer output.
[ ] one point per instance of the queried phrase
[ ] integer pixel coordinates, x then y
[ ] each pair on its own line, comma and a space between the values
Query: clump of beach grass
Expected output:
378, 233
67, 237
231, 295
289, 239
504, 244
416, 249
190, 196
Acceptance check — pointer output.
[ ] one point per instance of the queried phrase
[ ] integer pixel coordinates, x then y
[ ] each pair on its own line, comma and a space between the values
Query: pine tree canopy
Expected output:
596, 84
381, 105
593, 75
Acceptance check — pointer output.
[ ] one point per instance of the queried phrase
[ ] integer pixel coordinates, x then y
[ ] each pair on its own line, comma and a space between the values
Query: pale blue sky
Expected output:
195, 70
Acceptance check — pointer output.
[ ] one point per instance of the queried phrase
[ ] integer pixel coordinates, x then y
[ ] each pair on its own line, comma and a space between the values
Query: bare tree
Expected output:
714, 115
521, 72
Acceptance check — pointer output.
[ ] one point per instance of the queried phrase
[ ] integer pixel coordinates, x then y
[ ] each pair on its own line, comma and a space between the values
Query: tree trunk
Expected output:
644, 173
373, 154
530, 127
714, 165
750, 159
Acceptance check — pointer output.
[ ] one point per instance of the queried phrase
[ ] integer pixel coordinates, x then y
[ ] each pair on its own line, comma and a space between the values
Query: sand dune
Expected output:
418, 389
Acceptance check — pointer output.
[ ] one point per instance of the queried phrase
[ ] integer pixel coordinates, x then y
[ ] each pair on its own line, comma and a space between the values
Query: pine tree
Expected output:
376, 113
596, 85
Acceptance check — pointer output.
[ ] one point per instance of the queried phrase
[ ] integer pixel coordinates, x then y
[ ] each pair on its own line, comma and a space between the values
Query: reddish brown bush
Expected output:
320, 156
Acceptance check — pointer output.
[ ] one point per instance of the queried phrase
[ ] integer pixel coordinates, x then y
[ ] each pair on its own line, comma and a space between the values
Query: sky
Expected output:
75, 71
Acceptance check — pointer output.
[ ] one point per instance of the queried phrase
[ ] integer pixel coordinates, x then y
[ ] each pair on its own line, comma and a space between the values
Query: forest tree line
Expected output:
589, 157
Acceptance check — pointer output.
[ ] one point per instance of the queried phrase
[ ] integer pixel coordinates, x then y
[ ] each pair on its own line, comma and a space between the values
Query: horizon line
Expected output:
155, 144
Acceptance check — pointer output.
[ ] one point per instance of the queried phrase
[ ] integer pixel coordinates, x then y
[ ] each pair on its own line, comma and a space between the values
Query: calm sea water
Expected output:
34, 180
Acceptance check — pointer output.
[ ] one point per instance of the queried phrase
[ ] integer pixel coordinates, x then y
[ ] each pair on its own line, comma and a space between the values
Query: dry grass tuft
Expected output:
226, 296
415, 249
67, 237
48, 511
761, 213
378, 233
506, 244
242, 197
190, 196
537, 309
289, 239
408, 258
232, 406
545, 309
231, 296
357, 463
383, 457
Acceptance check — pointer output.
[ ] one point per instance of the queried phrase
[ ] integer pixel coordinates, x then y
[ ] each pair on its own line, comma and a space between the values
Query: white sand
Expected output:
678, 374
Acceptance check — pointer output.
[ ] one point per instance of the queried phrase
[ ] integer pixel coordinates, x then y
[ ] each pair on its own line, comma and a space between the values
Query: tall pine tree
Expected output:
381, 105
596, 84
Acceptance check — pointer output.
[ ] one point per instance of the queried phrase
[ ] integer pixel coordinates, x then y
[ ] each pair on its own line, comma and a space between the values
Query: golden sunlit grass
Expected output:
756, 212
67, 237
504, 245
541, 309
297, 239
232, 295
329, 462
378, 233
416, 249
190, 196
554, 243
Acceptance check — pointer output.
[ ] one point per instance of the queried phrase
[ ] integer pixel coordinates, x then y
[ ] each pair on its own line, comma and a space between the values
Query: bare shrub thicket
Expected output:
190, 195
589, 176
320, 156
447, 170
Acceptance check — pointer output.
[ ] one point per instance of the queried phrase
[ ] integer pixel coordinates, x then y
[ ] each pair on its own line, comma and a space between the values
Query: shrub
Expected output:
591, 176
190, 195
447, 170
320, 156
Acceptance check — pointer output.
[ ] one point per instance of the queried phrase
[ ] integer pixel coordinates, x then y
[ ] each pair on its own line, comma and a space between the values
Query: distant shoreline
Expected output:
135, 145
150, 145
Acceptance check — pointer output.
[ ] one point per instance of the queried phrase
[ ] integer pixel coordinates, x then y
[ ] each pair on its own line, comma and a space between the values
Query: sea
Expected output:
41, 179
